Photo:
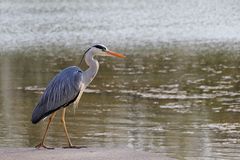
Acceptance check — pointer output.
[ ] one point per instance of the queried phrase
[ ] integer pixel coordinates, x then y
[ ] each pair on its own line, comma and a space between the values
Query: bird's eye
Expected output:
104, 49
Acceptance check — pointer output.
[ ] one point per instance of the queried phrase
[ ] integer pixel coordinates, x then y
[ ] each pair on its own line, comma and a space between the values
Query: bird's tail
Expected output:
37, 114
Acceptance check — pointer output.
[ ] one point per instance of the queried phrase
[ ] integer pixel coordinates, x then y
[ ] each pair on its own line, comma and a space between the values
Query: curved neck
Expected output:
93, 64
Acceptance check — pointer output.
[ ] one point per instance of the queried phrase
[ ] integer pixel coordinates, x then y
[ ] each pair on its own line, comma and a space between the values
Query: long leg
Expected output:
45, 133
65, 128
66, 132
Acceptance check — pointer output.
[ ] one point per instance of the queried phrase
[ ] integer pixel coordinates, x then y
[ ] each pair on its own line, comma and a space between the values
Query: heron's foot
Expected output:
43, 146
74, 147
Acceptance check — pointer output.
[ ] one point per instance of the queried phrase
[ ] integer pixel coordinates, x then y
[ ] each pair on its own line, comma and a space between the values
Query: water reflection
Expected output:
184, 105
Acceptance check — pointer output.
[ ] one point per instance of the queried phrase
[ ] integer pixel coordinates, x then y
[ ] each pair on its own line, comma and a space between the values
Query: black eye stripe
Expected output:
100, 47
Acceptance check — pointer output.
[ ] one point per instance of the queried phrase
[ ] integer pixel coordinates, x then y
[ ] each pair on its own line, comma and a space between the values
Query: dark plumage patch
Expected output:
99, 46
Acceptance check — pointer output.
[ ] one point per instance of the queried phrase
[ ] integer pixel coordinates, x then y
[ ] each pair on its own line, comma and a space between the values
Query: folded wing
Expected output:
60, 92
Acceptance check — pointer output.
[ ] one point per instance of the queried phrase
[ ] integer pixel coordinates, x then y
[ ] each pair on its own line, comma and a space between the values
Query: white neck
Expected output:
91, 72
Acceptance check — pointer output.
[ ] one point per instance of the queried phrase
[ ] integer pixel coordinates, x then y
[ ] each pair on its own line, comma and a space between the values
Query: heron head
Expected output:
102, 50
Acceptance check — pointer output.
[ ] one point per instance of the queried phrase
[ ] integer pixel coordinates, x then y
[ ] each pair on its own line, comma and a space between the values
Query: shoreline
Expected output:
78, 154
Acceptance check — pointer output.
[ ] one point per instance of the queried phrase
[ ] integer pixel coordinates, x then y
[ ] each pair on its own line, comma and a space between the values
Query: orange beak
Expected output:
115, 54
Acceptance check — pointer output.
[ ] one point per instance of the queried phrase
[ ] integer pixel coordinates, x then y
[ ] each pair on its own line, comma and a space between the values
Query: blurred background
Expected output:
176, 93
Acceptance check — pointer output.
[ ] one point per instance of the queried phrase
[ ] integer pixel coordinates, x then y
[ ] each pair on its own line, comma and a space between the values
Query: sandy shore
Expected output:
78, 154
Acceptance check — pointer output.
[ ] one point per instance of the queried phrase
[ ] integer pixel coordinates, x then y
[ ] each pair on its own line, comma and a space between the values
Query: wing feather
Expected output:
62, 90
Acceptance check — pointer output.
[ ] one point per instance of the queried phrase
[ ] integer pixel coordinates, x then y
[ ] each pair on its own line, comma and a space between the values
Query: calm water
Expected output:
183, 105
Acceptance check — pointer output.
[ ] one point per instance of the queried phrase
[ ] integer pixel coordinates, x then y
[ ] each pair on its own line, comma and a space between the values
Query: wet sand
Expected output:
78, 154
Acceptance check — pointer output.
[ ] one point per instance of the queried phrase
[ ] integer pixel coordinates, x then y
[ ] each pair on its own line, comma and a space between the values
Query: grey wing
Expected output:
60, 92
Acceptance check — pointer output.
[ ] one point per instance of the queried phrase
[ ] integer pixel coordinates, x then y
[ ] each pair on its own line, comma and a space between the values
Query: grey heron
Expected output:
67, 87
